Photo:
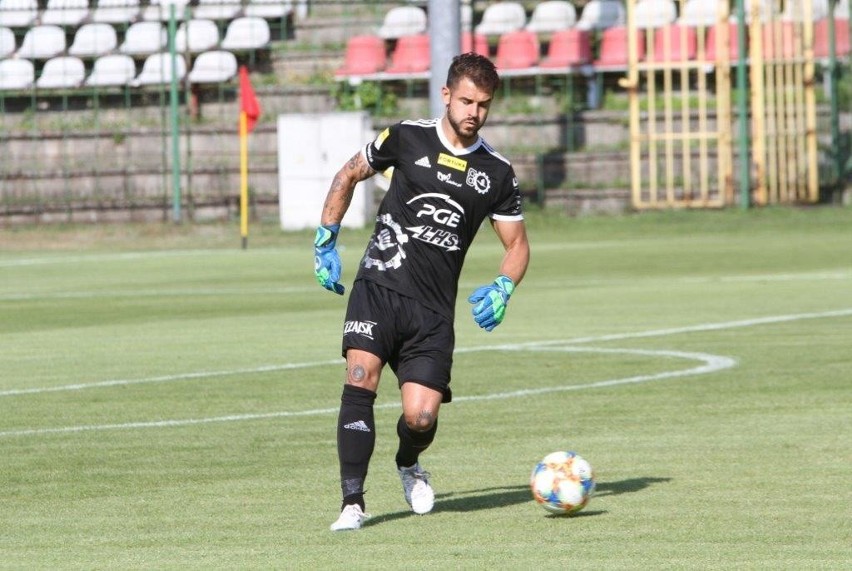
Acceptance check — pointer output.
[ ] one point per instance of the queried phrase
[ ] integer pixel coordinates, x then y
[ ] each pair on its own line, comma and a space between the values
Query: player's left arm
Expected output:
490, 301
513, 235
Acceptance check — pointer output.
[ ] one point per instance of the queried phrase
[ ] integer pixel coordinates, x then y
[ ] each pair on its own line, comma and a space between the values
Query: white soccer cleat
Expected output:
418, 493
352, 517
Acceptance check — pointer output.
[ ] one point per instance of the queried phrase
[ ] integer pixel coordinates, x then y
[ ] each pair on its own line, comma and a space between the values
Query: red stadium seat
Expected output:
364, 55
411, 55
677, 36
775, 33
568, 48
472, 42
713, 52
842, 46
517, 50
613, 54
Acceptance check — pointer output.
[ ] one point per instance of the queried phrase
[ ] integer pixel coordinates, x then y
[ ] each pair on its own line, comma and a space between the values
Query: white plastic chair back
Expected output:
552, 16
112, 71
62, 72
93, 40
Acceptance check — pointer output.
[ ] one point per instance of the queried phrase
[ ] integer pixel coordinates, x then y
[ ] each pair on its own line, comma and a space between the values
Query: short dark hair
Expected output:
477, 68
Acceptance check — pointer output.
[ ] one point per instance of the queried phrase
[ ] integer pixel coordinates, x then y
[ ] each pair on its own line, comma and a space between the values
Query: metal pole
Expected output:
444, 45
742, 108
833, 95
175, 119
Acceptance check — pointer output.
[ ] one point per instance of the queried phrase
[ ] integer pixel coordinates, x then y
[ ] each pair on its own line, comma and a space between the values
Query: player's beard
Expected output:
466, 129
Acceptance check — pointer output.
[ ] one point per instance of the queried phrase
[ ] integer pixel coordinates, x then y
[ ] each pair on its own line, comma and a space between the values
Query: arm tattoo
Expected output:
342, 188
359, 168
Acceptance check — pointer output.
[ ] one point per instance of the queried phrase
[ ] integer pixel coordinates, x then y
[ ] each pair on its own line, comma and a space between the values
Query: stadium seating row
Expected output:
73, 13
519, 51
554, 15
141, 38
116, 70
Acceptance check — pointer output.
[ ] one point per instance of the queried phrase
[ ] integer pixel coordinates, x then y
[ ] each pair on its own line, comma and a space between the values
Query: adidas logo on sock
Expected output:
423, 162
357, 425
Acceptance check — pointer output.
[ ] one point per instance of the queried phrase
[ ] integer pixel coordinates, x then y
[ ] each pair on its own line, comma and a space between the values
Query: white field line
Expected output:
134, 294
705, 327
169, 378
529, 345
98, 258
826, 275
710, 363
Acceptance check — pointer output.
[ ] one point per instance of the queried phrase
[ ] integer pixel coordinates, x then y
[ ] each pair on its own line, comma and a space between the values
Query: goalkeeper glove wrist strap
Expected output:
506, 284
327, 236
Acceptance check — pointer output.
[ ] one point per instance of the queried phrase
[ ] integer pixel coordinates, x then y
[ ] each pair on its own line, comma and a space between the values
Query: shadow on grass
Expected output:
499, 497
627, 486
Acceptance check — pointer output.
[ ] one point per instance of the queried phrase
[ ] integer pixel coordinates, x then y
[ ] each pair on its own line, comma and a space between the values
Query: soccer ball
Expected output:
562, 483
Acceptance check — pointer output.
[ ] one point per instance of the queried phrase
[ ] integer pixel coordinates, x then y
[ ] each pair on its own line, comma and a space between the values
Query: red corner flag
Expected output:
248, 101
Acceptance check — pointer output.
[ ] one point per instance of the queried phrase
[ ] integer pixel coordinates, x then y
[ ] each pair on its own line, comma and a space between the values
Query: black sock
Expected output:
353, 499
412, 443
356, 438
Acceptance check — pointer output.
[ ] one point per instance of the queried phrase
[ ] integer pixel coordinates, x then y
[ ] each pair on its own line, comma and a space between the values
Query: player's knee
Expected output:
422, 421
358, 375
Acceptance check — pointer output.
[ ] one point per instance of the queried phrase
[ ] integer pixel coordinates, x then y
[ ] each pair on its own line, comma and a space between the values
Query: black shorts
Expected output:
415, 341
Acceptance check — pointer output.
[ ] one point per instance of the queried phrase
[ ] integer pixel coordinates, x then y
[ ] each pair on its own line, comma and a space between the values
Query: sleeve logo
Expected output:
381, 138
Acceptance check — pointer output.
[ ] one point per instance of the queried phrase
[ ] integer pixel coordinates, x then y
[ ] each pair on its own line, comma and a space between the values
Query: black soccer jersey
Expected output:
437, 200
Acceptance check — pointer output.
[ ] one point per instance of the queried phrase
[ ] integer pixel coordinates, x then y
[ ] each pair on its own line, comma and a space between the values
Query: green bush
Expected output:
366, 96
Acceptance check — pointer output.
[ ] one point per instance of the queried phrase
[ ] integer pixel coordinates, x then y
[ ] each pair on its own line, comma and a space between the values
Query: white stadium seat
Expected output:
403, 21
143, 38
654, 13
196, 36
18, 13
92, 40
246, 33
7, 42
116, 11
602, 14
65, 12
113, 70
158, 10
157, 70
502, 17
552, 16
217, 9
42, 42
699, 13
466, 17
16, 74
213, 67
64, 72
268, 9
767, 9
794, 10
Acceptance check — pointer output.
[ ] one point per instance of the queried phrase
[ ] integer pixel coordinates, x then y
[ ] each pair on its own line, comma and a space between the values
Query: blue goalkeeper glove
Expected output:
490, 302
326, 259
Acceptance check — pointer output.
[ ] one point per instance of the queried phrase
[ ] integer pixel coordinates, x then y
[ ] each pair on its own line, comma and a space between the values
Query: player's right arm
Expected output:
342, 188
327, 266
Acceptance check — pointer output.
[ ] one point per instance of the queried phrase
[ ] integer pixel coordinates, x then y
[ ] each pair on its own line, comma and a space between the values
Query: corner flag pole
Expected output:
249, 113
244, 178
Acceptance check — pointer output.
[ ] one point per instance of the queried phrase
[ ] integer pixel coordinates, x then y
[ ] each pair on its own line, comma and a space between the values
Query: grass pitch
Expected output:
169, 401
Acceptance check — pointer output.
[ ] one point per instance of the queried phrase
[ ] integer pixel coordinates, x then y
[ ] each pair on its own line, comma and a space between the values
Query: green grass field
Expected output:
168, 401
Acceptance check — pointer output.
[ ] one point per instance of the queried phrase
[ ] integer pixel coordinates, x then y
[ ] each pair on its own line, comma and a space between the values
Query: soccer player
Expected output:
446, 181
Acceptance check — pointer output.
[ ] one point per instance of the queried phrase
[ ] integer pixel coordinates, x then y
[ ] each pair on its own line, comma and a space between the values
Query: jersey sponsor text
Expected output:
364, 328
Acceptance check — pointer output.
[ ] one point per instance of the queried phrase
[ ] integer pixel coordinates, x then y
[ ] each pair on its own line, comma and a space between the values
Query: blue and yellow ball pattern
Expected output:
563, 482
